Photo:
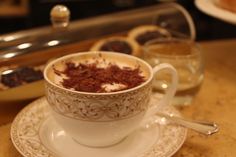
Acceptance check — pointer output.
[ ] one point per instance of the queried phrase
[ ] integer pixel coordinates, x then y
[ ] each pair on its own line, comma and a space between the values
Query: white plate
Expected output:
35, 133
209, 7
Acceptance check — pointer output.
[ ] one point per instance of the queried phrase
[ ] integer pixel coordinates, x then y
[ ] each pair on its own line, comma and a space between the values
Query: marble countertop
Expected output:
216, 101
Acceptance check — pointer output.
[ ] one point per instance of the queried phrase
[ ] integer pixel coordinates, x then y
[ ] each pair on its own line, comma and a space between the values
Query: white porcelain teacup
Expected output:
103, 119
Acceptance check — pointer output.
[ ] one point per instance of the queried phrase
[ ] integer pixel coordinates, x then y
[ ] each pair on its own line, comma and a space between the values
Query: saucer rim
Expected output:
17, 143
13, 131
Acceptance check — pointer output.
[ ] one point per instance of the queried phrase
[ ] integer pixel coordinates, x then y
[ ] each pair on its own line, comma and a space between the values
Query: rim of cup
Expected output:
50, 64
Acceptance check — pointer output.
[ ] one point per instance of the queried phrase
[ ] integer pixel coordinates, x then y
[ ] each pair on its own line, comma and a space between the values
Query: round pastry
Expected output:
117, 44
227, 4
143, 34
13, 76
2, 70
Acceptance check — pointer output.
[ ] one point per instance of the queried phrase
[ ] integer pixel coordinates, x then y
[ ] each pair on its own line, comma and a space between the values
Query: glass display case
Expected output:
26, 52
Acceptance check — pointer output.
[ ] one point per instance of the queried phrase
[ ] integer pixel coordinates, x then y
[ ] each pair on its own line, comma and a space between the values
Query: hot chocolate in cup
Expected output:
100, 119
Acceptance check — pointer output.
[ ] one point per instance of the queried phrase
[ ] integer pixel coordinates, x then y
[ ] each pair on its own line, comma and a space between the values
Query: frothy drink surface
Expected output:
99, 76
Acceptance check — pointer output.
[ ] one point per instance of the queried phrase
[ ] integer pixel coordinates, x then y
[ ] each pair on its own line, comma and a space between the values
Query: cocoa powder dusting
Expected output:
91, 78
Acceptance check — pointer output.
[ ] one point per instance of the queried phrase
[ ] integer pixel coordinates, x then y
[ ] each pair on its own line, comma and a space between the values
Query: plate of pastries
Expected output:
224, 10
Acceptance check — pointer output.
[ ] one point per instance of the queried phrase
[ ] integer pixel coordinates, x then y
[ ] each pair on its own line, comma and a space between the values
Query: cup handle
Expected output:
166, 100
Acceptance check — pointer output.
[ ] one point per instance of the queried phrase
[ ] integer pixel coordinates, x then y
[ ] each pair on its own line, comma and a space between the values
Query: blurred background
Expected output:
18, 15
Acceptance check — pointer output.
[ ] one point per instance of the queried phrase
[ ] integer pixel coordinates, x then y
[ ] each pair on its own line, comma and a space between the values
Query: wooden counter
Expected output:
216, 101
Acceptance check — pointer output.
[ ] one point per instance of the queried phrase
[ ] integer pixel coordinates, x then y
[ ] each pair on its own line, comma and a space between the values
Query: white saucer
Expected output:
209, 7
35, 133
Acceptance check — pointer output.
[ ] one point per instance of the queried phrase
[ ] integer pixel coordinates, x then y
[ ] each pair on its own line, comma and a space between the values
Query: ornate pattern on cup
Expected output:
89, 107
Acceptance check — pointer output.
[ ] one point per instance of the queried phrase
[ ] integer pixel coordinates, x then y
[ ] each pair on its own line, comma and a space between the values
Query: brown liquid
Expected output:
171, 49
191, 91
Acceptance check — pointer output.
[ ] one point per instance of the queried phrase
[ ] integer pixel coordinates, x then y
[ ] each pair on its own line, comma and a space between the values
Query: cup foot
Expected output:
182, 100
100, 146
